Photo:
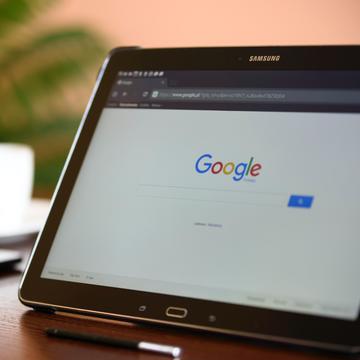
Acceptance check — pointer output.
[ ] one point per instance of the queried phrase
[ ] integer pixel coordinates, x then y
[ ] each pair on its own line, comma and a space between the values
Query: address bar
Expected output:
197, 194
309, 96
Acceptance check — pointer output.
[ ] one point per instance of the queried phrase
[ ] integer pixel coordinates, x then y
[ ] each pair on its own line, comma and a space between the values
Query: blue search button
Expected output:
300, 201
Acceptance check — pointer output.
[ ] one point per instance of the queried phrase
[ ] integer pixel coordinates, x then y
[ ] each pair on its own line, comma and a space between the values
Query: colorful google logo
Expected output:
205, 164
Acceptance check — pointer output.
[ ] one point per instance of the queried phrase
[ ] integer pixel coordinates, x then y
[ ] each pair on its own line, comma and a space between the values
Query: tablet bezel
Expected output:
285, 326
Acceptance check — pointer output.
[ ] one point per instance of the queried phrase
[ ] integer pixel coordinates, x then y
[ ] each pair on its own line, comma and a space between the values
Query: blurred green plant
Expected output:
45, 77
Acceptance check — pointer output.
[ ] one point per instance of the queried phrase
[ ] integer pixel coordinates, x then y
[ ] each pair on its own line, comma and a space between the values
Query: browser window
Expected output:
225, 186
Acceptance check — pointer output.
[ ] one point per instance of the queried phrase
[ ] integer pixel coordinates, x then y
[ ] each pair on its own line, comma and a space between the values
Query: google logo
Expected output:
205, 164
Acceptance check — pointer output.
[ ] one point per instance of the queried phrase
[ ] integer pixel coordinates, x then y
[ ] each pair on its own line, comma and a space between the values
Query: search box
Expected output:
213, 195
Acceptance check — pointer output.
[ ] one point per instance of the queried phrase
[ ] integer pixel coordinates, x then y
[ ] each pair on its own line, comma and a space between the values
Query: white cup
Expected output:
16, 182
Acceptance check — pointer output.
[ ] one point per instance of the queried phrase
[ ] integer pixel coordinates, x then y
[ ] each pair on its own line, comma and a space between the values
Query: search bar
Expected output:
213, 195
317, 96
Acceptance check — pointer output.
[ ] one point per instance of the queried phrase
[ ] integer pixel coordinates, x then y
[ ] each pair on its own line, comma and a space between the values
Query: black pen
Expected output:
174, 351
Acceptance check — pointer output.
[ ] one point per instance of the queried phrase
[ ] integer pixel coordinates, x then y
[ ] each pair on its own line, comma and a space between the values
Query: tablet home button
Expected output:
176, 312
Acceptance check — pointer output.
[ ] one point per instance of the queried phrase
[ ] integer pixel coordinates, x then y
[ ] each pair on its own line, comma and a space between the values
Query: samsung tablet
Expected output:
213, 189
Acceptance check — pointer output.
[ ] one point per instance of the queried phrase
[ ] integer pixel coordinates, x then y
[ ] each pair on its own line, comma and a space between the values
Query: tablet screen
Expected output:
232, 186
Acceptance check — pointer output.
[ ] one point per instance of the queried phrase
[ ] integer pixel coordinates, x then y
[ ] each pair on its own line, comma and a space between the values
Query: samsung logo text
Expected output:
258, 58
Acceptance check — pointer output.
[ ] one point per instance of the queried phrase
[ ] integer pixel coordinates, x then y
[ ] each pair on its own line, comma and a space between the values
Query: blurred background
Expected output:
50, 52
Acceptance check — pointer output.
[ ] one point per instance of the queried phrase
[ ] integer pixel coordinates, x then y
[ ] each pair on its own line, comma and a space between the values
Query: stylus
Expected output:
174, 351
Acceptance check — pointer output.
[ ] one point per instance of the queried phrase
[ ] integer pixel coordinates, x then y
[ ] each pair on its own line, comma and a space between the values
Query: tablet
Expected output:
213, 189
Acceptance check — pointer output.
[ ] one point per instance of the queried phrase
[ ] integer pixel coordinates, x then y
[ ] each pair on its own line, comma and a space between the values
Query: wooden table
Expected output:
22, 335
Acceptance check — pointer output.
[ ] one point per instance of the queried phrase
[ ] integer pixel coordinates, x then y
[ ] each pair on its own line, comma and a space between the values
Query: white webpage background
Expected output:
152, 243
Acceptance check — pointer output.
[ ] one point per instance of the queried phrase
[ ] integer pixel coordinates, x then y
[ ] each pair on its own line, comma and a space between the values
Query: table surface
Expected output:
22, 334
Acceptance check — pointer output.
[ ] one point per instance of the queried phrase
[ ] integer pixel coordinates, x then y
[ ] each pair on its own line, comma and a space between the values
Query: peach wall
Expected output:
203, 23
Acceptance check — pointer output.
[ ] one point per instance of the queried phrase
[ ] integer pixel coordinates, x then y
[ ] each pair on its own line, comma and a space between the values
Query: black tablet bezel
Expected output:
35, 291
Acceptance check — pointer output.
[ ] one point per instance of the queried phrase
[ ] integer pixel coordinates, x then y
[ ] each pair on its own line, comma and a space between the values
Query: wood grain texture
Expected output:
22, 336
